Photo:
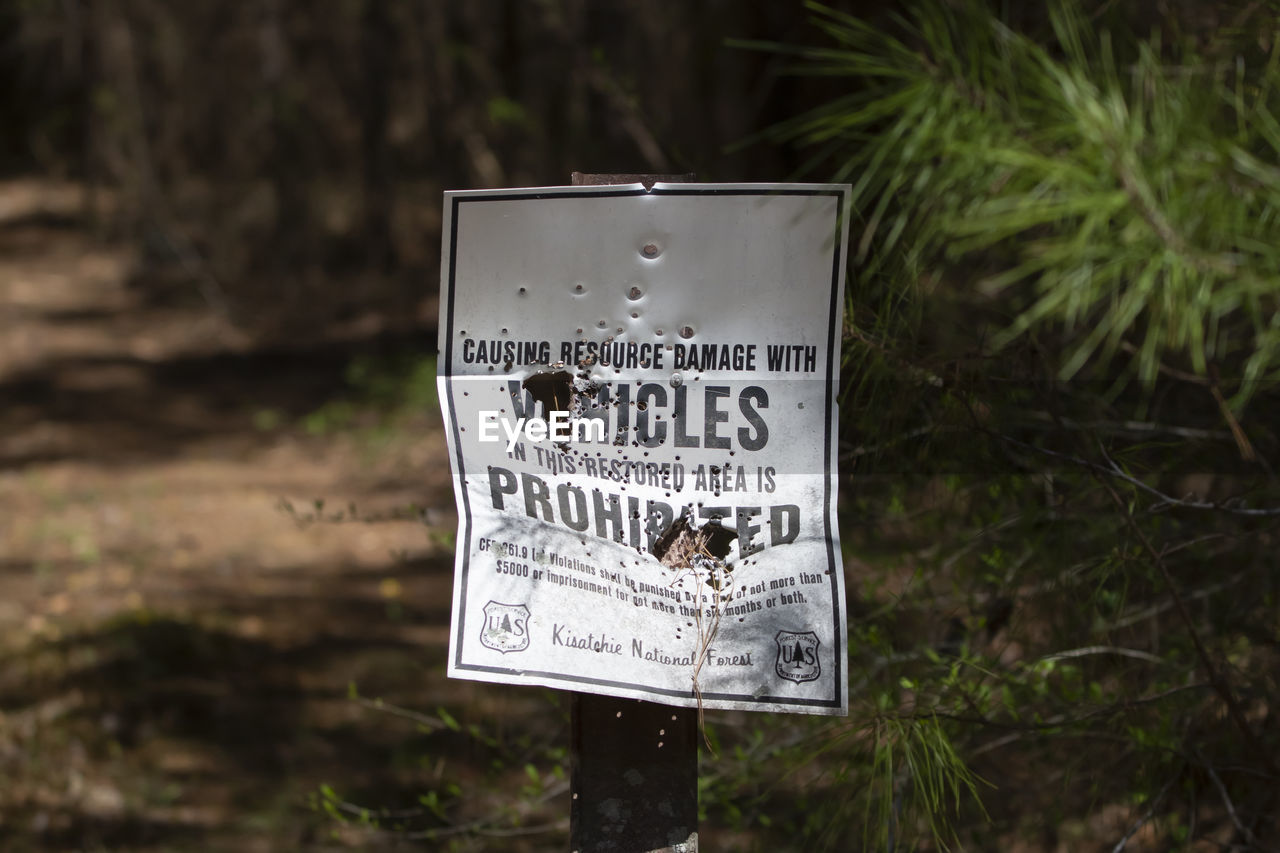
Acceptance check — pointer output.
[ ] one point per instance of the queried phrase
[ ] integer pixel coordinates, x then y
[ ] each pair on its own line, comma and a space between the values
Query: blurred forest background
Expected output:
226, 524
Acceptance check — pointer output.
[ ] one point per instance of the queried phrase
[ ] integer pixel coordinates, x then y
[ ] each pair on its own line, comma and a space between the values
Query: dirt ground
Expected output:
179, 645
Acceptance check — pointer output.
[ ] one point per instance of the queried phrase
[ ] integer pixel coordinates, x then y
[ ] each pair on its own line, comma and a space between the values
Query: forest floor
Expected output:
186, 660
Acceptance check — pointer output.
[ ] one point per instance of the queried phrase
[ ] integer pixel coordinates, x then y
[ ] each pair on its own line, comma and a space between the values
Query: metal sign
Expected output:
639, 395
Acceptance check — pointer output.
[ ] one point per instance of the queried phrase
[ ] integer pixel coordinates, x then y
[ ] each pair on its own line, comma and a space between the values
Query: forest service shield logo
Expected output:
797, 656
506, 627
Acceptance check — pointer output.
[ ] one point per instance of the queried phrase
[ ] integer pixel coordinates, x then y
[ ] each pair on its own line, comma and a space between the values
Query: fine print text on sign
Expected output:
639, 396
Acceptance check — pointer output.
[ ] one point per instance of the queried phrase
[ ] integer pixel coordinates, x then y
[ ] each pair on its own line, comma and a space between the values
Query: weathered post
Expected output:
633, 764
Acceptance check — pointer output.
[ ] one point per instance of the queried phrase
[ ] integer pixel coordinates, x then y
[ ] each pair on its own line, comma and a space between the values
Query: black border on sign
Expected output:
833, 565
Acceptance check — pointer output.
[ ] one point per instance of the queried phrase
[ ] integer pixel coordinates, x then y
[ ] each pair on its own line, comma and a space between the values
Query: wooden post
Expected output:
633, 764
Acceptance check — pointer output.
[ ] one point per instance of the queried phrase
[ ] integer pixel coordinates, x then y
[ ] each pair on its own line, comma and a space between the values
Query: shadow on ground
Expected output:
227, 722
118, 410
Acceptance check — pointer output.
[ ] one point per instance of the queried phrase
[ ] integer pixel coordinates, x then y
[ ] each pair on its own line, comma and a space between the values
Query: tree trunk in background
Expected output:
87, 21
291, 211
377, 46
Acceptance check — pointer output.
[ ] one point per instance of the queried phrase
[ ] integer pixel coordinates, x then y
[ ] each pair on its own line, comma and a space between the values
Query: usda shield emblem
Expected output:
797, 656
506, 627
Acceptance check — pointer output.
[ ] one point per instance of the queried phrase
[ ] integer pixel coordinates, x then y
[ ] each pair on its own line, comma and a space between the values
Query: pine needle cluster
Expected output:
1121, 191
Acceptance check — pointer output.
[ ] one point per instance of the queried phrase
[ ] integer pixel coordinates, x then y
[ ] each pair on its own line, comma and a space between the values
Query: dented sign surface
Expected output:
639, 396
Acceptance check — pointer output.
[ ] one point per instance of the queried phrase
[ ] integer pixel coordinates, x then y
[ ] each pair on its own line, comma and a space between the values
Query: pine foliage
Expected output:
1125, 190
1059, 426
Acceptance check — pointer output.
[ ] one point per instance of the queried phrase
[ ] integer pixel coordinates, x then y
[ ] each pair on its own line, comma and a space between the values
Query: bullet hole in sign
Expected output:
553, 389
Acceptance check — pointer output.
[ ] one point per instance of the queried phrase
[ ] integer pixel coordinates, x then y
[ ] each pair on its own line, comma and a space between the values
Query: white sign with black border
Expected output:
639, 393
